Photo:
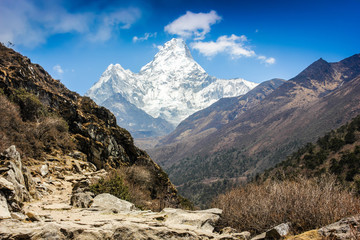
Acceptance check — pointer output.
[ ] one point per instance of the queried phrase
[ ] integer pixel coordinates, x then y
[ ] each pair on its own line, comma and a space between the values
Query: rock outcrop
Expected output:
15, 182
346, 228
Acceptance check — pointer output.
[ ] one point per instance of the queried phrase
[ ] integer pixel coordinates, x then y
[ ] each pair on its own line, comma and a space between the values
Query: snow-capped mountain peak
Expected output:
173, 56
172, 86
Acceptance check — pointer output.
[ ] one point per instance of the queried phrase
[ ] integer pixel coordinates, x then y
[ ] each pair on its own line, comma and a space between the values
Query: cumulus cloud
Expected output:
144, 38
232, 45
58, 70
191, 24
267, 60
107, 24
30, 23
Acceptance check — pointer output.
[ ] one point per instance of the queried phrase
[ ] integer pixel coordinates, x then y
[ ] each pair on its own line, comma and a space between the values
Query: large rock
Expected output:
277, 232
346, 228
82, 199
44, 170
5, 185
11, 159
108, 202
204, 220
4, 209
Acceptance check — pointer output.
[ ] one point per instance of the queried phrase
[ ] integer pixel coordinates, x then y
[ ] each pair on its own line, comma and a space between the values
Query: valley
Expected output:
322, 97
240, 141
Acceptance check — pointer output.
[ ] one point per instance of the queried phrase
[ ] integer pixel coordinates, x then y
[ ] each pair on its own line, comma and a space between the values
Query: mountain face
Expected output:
141, 123
169, 88
93, 130
322, 97
209, 120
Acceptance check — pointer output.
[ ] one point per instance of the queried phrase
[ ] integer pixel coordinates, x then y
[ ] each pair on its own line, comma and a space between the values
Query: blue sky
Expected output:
256, 40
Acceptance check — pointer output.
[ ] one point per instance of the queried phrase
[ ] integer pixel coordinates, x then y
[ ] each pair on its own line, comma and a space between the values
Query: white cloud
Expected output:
30, 23
108, 24
266, 60
58, 70
193, 24
144, 38
232, 45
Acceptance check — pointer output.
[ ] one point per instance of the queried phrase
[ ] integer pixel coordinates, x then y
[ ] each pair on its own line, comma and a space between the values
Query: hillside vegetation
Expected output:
305, 203
316, 185
337, 153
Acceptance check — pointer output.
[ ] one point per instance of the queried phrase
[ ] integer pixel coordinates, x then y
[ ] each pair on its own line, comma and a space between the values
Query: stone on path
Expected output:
108, 202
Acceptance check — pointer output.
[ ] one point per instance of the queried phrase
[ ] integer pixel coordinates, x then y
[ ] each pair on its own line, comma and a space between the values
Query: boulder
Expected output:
18, 216
346, 228
33, 216
81, 186
108, 202
44, 170
14, 174
82, 199
4, 209
276, 232
204, 220
6, 185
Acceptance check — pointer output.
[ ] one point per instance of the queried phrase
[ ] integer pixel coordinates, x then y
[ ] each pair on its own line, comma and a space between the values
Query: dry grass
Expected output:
306, 203
32, 138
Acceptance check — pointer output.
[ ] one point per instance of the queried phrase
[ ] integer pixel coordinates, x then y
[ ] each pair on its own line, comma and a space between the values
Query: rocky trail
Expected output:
51, 216
50, 200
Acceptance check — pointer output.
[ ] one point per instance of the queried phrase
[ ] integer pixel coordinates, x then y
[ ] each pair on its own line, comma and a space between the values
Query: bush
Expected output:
306, 203
113, 184
32, 138
31, 108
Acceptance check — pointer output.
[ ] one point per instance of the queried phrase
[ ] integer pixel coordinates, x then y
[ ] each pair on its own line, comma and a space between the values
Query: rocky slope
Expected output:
169, 88
322, 97
209, 120
54, 213
336, 153
93, 129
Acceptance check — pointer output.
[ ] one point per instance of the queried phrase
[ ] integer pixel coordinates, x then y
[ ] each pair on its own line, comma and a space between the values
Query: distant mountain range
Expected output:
238, 141
165, 91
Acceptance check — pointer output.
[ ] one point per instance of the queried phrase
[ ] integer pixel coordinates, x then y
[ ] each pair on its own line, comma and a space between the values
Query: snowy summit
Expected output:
169, 88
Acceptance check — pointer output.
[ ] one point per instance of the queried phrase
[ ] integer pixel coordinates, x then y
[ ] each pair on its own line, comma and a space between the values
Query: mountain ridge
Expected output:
170, 87
322, 97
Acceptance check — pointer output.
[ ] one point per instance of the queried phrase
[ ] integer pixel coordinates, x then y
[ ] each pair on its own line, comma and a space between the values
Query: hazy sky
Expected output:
256, 40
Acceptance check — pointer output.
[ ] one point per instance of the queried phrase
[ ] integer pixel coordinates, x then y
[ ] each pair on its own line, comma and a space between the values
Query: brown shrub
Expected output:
53, 133
32, 138
306, 203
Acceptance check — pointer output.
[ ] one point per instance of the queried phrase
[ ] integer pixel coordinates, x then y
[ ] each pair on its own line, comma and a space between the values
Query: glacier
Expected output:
168, 89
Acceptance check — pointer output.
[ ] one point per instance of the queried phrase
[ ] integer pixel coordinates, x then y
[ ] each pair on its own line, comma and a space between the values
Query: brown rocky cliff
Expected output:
93, 128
